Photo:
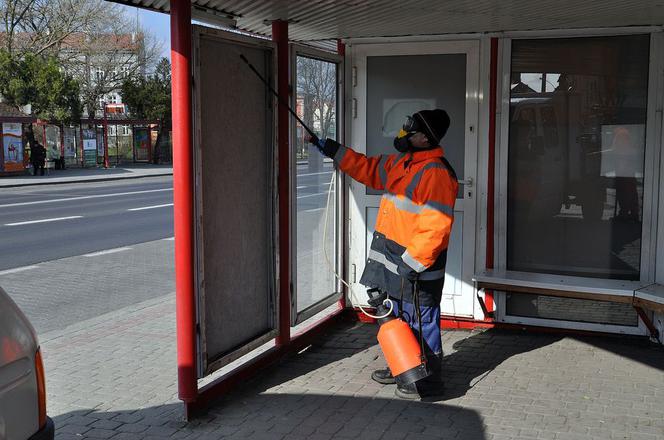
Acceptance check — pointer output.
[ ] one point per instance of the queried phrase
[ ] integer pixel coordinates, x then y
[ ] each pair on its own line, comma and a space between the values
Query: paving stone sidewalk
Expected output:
77, 175
114, 376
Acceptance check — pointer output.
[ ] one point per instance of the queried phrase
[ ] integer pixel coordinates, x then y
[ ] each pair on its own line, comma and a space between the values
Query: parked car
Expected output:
22, 385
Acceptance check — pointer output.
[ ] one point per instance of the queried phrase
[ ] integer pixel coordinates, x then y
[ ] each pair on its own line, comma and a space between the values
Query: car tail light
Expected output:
41, 388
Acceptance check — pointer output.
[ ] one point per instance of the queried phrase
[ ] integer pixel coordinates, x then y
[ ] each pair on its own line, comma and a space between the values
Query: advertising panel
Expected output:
12, 144
100, 142
53, 142
70, 142
89, 147
142, 143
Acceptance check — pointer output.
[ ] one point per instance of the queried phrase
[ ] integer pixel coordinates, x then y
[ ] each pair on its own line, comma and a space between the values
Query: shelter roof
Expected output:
331, 19
9, 111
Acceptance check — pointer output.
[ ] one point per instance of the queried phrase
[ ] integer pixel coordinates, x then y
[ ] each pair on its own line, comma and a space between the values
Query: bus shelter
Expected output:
556, 137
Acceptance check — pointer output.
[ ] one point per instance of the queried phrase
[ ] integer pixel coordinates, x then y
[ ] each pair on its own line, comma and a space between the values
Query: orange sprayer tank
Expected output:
402, 351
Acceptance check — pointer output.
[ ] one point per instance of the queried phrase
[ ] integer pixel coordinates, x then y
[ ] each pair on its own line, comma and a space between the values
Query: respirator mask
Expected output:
412, 125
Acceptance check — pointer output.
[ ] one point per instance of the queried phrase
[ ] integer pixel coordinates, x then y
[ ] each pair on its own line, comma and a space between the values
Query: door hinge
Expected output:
353, 273
353, 76
354, 108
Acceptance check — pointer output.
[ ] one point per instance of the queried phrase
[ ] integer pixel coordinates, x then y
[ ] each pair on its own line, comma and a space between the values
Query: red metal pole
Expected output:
183, 198
341, 50
493, 80
2, 150
105, 138
133, 130
280, 36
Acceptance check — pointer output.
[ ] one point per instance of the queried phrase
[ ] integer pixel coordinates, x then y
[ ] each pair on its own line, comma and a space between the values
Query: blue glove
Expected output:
327, 147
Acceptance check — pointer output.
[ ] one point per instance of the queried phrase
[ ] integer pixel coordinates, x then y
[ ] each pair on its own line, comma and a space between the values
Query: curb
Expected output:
84, 180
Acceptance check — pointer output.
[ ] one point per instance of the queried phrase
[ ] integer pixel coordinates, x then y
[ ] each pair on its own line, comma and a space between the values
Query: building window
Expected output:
577, 125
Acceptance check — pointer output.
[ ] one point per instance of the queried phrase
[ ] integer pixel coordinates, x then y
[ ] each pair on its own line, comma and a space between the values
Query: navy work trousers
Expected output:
430, 325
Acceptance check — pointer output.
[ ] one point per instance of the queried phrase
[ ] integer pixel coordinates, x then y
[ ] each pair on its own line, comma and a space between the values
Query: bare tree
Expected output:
317, 91
103, 61
96, 41
39, 26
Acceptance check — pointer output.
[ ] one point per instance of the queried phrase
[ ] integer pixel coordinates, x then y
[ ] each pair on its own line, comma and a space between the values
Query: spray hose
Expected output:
351, 294
329, 196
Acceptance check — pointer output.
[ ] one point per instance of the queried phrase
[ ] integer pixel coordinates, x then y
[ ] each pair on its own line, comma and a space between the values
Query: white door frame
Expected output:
357, 198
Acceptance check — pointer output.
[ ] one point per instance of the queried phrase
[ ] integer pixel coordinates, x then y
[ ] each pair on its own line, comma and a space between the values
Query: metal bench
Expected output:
637, 294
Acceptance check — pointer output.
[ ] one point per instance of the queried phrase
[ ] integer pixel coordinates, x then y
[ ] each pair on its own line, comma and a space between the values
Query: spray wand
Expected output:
329, 196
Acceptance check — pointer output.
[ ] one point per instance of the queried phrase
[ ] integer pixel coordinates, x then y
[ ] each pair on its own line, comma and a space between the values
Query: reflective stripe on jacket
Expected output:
414, 219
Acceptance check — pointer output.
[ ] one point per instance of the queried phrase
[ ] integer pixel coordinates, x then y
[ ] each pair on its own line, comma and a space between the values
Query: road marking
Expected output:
37, 202
314, 174
168, 239
313, 210
106, 252
150, 207
312, 195
45, 220
17, 269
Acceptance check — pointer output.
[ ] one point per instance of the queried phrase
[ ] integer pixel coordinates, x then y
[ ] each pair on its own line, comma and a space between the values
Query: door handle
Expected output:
468, 184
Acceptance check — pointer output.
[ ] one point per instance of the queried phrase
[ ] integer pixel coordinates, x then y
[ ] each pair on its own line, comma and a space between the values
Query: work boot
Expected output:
383, 377
408, 392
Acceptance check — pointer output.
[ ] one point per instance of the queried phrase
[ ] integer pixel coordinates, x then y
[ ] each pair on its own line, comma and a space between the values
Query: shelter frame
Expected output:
208, 366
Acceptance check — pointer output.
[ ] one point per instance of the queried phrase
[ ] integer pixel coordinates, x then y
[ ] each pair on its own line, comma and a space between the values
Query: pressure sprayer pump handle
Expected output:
274, 92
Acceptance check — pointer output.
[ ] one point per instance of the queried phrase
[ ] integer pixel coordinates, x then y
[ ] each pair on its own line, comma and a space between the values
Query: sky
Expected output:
157, 24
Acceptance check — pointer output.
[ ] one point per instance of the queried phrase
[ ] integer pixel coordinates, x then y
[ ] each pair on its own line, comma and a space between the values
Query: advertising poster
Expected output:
142, 143
89, 147
70, 142
623, 150
12, 144
53, 141
100, 142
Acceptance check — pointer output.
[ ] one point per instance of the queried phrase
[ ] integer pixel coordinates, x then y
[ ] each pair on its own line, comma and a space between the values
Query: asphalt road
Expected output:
47, 223
50, 222
70, 252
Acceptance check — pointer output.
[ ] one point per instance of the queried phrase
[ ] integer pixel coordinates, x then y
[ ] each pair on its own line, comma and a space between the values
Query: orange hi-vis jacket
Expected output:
414, 219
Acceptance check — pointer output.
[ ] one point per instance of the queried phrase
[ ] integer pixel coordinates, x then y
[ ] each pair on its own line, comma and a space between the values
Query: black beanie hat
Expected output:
434, 124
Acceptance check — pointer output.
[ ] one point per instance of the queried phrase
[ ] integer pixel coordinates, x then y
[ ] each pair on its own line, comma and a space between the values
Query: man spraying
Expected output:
409, 248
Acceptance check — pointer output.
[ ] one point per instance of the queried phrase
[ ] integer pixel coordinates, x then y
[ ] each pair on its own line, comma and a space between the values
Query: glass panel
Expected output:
570, 309
576, 155
316, 255
398, 86
53, 142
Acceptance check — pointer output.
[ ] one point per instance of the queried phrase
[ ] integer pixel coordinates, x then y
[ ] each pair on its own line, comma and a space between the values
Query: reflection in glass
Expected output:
400, 85
576, 155
316, 104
